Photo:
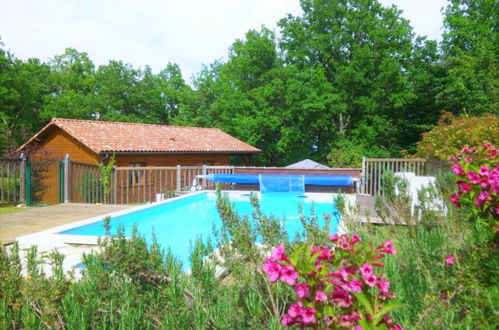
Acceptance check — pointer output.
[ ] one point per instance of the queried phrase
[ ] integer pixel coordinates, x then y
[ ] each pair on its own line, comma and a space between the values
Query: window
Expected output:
135, 176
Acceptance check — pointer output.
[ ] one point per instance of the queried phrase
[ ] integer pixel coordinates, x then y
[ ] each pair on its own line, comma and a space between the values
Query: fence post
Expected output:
28, 183
204, 175
363, 177
66, 178
179, 178
22, 185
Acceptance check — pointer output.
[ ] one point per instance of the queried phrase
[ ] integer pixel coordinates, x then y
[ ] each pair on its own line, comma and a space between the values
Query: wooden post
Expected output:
179, 177
66, 178
363, 176
22, 185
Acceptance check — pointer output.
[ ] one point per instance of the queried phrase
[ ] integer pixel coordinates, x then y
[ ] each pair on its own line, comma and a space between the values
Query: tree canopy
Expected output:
346, 79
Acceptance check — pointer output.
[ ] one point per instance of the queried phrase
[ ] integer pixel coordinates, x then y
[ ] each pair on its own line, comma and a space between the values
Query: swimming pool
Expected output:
177, 223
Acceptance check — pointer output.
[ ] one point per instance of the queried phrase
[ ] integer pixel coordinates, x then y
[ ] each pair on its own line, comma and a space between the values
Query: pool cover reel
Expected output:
283, 182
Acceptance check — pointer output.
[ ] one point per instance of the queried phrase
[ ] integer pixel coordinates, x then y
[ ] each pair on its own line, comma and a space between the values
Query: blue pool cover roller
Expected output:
318, 180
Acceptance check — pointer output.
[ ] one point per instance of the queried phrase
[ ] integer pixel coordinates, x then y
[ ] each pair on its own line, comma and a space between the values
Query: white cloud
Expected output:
148, 32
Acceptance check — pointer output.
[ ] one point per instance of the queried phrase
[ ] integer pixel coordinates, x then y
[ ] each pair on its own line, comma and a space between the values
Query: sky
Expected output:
154, 32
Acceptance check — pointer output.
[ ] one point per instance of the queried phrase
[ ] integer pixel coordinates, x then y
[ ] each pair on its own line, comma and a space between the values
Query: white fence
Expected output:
374, 168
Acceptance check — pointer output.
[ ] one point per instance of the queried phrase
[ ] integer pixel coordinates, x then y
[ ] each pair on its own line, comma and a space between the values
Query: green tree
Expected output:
72, 87
23, 86
471, 51
365, 51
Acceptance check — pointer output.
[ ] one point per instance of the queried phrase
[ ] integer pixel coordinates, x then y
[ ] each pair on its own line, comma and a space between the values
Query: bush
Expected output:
452, 133
445, 274
477, 178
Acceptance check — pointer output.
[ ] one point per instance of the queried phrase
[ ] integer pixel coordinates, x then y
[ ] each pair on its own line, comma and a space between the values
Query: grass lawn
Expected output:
11, 209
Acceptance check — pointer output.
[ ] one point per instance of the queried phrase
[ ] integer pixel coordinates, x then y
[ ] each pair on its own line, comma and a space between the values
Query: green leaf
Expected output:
388, 308
364, 301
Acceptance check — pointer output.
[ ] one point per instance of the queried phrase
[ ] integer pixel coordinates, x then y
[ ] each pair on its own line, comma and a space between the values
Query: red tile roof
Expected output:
106, 136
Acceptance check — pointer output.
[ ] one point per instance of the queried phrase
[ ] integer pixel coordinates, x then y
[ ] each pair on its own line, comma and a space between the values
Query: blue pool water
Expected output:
178, 223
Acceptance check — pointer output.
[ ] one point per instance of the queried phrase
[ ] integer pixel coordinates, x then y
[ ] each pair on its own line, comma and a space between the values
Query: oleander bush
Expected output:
443, 275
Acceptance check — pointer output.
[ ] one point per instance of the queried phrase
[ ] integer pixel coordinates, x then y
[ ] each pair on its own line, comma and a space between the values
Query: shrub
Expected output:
477, 178
451, 133
337, 287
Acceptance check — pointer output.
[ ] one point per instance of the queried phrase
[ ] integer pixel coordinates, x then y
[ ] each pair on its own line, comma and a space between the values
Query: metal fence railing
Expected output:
12, 185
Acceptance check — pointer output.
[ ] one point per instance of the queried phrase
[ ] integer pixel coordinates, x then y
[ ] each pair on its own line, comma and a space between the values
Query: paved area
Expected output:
40, 218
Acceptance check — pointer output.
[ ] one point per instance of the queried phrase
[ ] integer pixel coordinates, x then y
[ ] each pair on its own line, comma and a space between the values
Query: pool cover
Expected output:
318, 180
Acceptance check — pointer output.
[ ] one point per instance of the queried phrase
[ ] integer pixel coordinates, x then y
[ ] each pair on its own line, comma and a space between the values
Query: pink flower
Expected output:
366, 270
454, 199
354, 285
278, 253
378, 264
341, 297
487, 145
355, 239
484, 170
384, 286
325, 253
358, 327
396, 327
481, 198
349, 320
457, 169
308, 315
302, 290
386, 319
388, 247
287, 320
334, 238
465, 187
453, 159
344, 273
484, 182
295, 309
468, 159
450, 260
473, 177
272, 269
466, 150
320, 296
289, 275
371, 280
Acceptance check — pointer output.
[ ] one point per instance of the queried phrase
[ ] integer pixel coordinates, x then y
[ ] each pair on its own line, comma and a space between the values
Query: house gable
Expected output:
56, 143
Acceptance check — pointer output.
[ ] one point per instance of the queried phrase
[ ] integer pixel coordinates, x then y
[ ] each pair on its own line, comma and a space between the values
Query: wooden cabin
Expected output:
133, 144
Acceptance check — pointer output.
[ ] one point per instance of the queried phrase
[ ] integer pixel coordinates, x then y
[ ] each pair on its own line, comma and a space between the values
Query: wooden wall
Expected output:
172, 159
57, 143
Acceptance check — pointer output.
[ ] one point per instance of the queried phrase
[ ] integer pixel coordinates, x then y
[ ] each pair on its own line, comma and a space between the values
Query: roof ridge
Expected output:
56, 119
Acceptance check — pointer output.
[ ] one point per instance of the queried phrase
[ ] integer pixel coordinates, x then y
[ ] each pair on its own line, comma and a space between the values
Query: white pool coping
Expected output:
50, 239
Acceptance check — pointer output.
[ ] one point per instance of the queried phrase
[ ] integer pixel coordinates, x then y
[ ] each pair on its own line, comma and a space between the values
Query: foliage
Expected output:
477, 178
348, 154
105, 177
451, 133
336, 286
129, 283
470, 48
344, 79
